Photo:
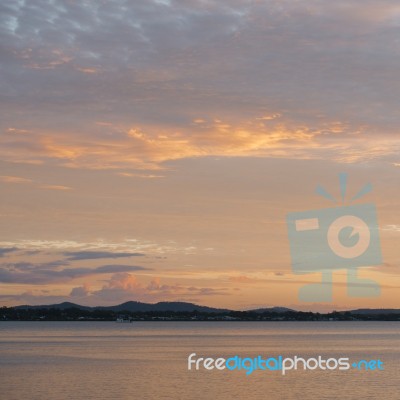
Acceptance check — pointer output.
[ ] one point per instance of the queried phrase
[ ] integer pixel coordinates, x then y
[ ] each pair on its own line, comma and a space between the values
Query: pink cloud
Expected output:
124, 286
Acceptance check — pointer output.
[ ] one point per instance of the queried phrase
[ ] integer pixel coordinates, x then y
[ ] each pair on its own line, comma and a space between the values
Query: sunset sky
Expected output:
151, 149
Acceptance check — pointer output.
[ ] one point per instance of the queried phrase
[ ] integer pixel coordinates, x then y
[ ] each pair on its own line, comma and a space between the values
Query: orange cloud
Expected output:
242, 279
143, 176
149, 147
87, 70
14, 179
18, 179
124, 286
17, 130
56, 187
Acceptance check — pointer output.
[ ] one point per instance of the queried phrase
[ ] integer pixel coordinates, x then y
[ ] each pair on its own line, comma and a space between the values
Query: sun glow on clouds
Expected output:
270, 87
20, 180
150, 148
14, 179
126, 245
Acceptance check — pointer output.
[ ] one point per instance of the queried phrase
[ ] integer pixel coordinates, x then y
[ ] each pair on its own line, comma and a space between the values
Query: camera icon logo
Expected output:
339, 238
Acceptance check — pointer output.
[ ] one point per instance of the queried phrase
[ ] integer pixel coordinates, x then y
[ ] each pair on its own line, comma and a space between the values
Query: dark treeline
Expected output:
77, 314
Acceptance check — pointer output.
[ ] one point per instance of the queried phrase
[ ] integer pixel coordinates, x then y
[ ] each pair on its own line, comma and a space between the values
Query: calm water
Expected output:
148, 360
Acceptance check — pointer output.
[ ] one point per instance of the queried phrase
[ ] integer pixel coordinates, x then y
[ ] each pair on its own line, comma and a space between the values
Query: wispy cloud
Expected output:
21, 180
14, 179
143, 176
149, 148
113, 268
241, 279
391, 228
6, 250
128, 246
55, 187
94, 255
45, 273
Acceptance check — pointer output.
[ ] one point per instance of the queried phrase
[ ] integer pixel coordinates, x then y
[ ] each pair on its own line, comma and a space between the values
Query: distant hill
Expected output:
179, 306
176, 306
60, 306
375, 311
133, 306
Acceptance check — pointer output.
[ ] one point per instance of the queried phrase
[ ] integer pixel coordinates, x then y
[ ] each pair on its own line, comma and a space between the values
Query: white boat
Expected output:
123, 320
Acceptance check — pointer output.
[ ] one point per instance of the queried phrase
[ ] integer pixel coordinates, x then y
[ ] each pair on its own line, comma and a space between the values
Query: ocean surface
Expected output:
148, 360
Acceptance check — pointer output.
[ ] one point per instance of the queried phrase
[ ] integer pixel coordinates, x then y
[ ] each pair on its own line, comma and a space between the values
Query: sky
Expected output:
151, 150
